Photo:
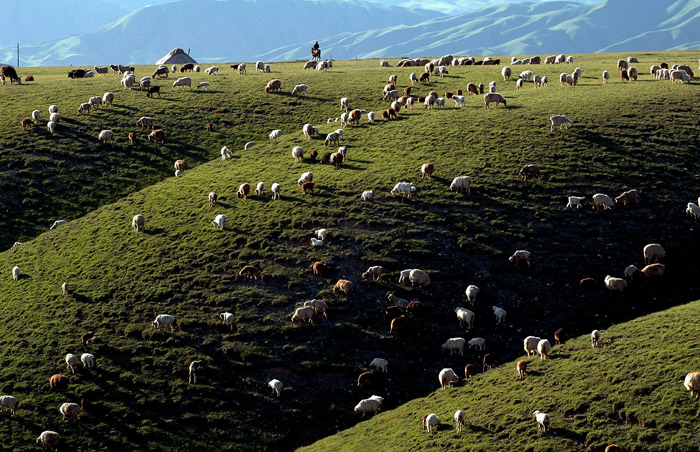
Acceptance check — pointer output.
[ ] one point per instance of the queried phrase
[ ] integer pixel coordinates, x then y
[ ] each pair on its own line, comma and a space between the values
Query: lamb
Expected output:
260, 188
404, 188
243, 191
380, 364
299, 89
500, 314
460, 101
203, 85
615, 284
654, 271
344, 287
628, 197
414, 78
631, 272
88, 360
304, 313
447, 377
575, 202
371, 405
319, 307
606, 76
276, 189
105, 136
8, 403
471, 292
692, 384
370, 117
213, 70
519, 257
506, 73
543, 348
375, 272
530, 345
440, 103
71, 362
653, 253
454, 344
298, 153
48, 438
308, 187
225, 153
249, 145
602, 201
275, 134
227, 317
276, 386
542, 420
320, 234
494, 98
595, 338
219, 221
165, 321
431, 422
344, 103
560, 120
521, 367
477, 342
419, 277
464, 315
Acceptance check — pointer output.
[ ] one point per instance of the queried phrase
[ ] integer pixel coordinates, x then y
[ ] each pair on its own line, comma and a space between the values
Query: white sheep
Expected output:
276, 386
414, 78
178, 173
575, 202
460, 101
602, 201
542, 418
275, 134
419, 277
298, 153
219, 221
182, 82
138, 222
212, 70
15, 272
472, 291
203, 85
464, 315
405, 188
440, 103
680, 75
606, 76
316, 242
693, 210
241, 69
320, 234
345, 103
36, 114
692, 383
299, 89
249, 145
431, 423
615, 284
227, 317
225, 153
543, 348
72, 361
55, 117
370, 116
461, 184
477, 342
309, 130
305, 177
53, 109
371, 405
447, 377
8, 403
403, 276
319, 307
459, 420
544, 82
304, 313
500, 314
71, 410
105, 136
344, 119
57, 223
276, 189
595, 338
454, 344
530, 345
260, 188
165, 321
128, 81
560, 120
107, 98
88, 360
380, 364
518, 84
367, 195
64, 289
653, 253
506, 72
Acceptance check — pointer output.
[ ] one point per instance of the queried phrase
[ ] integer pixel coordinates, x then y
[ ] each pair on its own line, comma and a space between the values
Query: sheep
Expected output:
165, 321
459, 420
243, 191
404, 188
371, 405
615, 284
219, 221
400, 325
227, 317
632, 73
213, 70
472, 291
375, 272
622, 64
88, 360
250, 272
542, 420
181, 165
477, 342
57, 223
575, 202
469, 371
454, 344
226, 153
461, 184
543, 348
319, 307
693, 210
318, 268
680, 76
71, 362
424, 77
460, 101
530, 345
365, 379
595, 338
28, 123
344, 287
429, 102
299, 89
419, 277
182, 82
380, 364
370, 117
304, 313
331, 139
276, 386
276, 189
628, 197
414, 78
538, 81
521, 367
506, 73
440, 103
687, 70
321, 234
427, 170
86, 338
519, 257
58, 382
431, 422
400, 302
447, 377
494, 98
298, 153
692, 384
308, 187
138, 223
65, 289
631, 272
606, 76
105, 136
344, 103
519, 84
8, 403
560, 120
654, 270
48, 438
145, 121
464, 315
653, 253
367, 195
203, 85
500, 314
624, 76
275, 134
55, 118
602, 201
128, 81
305, 177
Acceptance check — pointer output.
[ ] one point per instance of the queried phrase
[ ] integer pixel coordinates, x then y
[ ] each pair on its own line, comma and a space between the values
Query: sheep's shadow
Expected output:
154, 231
477, 429
80, 297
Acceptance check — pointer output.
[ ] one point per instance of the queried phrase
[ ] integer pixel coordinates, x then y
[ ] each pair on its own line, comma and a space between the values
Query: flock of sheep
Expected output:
399, 310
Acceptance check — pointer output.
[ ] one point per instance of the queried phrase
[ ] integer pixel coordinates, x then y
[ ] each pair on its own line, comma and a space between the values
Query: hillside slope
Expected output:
138, 397
629, 392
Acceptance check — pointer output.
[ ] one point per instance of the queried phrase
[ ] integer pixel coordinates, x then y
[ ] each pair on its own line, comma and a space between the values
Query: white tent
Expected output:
176, 56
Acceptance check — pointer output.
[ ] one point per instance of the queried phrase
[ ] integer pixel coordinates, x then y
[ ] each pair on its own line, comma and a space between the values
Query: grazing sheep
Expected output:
298, 153
57, 223
305, 177
380, 364
88, 360
653, 253
427, 170
461, 184
365, 379
105, 136
692, 383
181, 165
542, 420
521, 367
8, 403
519, 257
560, 120
575, 202
530, 345
243, 191
276, 386
320, 234
469, 371
693, 210
84, 108
602, 201
465, 316
419, 277
212, 70
680, 76
558, 335
371, 405
275, 134
400, 302
477, 342
219, 221
250, 272
543, 348
472, 291
72, 361
182, 82
55, 117
519, 84
48, 438
654, 271
344, 103
431, 422
400, 325
319, 307
227, 317
375, 272
165, 321
500, 314
628, 197
344, 287
631, 272
632, 73
203, 85
595, 338
299, 89
367, 195
308, 187
404, 188
318, 268
454, 344
276, 189
459, 420
447, 377
332, 138
64, 289
86, 338
225, 153
260, 188
615, 284
506, 73
58, 382
304, 313
138, 223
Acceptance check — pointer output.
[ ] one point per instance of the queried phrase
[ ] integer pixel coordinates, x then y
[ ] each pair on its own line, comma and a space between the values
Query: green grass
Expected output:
636, 135
629, 392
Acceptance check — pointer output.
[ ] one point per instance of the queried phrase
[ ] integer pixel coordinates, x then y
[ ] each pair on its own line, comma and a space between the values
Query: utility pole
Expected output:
18, 55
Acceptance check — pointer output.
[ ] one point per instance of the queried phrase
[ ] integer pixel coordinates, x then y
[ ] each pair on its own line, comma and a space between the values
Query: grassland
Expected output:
637, 135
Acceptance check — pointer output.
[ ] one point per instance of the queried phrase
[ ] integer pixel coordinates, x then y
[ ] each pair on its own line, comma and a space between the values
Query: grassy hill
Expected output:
627, 392
626, 135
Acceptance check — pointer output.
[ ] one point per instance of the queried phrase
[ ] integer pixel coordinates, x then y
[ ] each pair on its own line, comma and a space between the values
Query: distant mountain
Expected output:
231, 30
527, 28
453, 6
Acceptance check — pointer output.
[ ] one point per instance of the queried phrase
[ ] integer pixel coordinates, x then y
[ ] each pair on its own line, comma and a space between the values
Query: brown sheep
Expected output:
209, 127
87, 337
613, 448
58, 382
273, 86
448, 95
628, 197
187, 67
132, 137
421, 100
469, 371
344, 287
157, 135
522, 368
487, 363
181, 165
427, 170
424, 77
354, 117
11, 73
520, 257
390, 313
326, 158
399, 325
27, 123
587, 284
407, 91
497, 61
415, 308
479, 63
459, 92
314, 155
250, 272
654, 270
385, 115
336, 159
663, 65
307, 187
365, 379
481, 88
558, 335
48, 438
319, 268
243, 191
392, 113
528, 172
472, 89
624, 76
687, 70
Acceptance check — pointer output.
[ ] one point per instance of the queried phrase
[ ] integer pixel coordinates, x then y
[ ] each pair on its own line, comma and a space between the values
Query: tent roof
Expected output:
176, 56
